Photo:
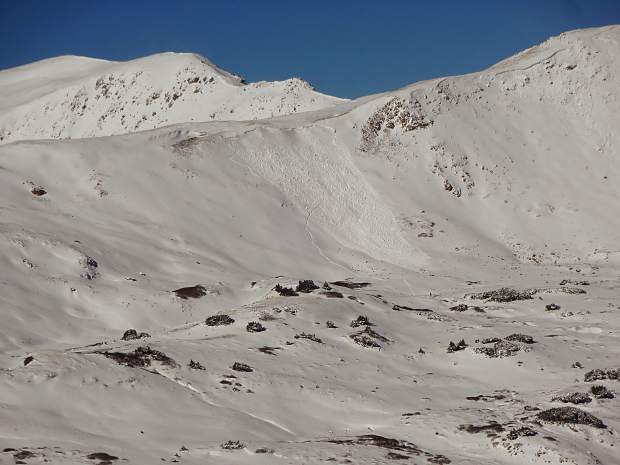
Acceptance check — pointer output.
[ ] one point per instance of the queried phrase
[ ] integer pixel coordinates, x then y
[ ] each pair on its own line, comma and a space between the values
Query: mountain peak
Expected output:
69, 97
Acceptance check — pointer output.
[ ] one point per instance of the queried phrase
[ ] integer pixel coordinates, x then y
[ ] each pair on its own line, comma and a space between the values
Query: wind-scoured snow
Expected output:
460, 233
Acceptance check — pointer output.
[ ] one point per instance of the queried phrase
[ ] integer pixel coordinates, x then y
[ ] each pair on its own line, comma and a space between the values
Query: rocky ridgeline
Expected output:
395, 114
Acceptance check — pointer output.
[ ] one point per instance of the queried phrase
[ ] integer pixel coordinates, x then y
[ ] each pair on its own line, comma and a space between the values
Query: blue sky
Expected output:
345, 48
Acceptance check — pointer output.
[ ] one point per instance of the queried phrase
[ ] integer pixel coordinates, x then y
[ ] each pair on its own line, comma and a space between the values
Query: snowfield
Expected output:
461, 235
75, 97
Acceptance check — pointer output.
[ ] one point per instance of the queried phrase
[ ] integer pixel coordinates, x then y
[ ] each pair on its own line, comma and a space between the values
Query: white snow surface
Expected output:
431, 193
76, 97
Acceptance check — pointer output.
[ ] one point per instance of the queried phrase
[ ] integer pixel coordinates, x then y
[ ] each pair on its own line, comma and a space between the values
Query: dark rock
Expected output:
269, 350
600, 374
238, 366
564, 282
601, 392
571, 290
490, 340
491, 429
101, 456
396, 456
459, 308
330, 324
500, 349
311, 337
38, 191
505, 294
486, 398
523, 431
131, 334
191, 292
306, 286
349, 284
461, 345
23, 454
392, 444
361, 321
88, 275
28, 360
219, 320
521, 338
232, 445
139, 358
91, 268
264, 450
368, 338
423, 313
333, 294
326, 286
400, 308
552, 307
573, 398
285, 291
570, 415
196, 365
255, 327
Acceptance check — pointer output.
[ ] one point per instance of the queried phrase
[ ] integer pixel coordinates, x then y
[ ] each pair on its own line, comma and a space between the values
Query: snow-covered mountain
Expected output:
477, 208
75, 97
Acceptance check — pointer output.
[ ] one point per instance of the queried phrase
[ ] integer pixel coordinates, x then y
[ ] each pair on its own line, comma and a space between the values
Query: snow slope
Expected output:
74, 97
431, 193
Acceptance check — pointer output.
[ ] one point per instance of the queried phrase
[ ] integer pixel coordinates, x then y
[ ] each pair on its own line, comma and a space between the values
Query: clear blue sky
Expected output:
345, 48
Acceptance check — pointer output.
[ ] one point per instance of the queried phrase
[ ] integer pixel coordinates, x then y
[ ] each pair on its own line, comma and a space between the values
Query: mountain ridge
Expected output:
106, 98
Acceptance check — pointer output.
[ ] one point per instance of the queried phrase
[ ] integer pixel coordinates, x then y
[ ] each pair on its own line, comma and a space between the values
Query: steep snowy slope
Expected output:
421, 200
71, 97
525, 153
